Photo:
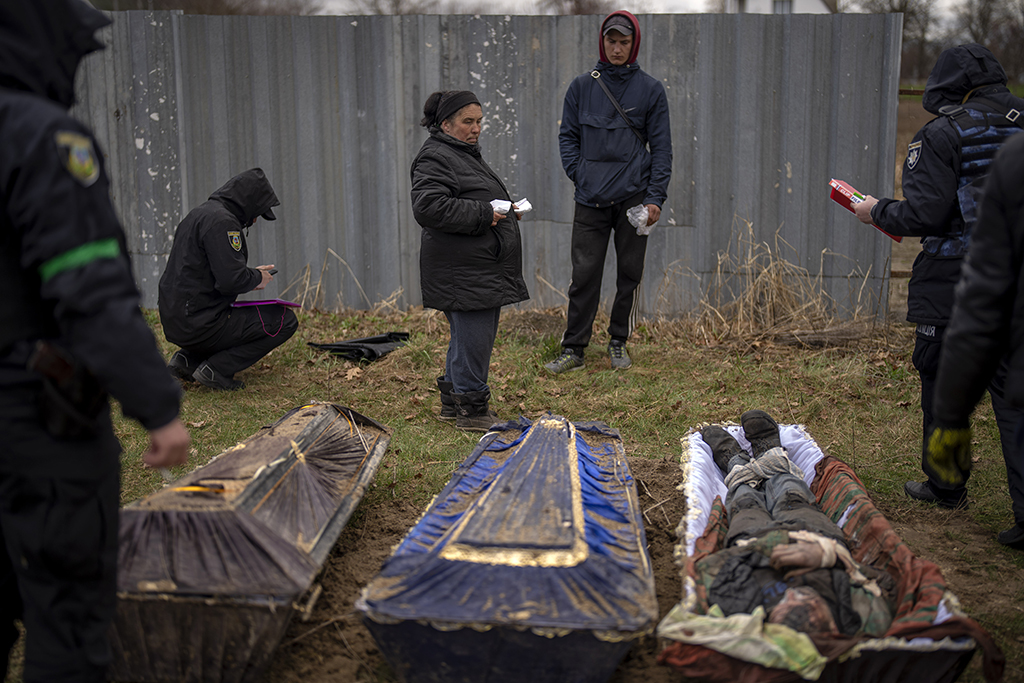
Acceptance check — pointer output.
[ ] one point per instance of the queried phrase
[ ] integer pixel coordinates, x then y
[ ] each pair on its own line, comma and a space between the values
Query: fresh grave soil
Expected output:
333, 645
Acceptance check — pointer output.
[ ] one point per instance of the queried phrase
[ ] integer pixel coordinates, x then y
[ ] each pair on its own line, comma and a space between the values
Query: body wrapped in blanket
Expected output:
782, 553
804, 505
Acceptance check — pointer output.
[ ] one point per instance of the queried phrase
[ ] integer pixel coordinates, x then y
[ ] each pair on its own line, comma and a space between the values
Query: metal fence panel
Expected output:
765, 110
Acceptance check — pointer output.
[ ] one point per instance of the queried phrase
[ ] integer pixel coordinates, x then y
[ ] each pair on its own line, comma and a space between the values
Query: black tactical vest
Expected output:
983, 126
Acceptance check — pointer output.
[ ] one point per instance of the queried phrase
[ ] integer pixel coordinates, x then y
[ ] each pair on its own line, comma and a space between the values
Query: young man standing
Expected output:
616, 148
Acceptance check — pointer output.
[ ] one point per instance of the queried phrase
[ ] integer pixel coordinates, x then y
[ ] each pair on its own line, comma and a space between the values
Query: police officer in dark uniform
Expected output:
987, 325
206, 272
942, 179
70, 331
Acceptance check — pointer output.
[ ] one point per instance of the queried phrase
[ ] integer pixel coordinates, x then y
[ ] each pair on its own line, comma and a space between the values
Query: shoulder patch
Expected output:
913, 154
235, 238
77, 156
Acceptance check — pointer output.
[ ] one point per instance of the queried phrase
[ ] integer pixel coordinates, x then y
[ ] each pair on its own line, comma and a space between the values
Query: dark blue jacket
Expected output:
600, 154
969, 75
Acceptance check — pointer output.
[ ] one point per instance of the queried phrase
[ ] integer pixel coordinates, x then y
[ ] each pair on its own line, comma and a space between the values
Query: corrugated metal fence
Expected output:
765, 110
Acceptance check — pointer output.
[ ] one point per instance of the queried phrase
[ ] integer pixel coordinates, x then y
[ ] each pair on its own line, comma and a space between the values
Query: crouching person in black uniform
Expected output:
70, 332
206, 272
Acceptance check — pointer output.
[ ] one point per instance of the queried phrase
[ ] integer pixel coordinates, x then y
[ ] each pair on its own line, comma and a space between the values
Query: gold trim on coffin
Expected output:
528, 557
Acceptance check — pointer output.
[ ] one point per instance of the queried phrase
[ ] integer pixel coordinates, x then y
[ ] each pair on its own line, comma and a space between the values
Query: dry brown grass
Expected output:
757, 296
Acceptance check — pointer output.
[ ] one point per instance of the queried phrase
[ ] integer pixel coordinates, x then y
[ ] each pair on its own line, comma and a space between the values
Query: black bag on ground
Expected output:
366, 348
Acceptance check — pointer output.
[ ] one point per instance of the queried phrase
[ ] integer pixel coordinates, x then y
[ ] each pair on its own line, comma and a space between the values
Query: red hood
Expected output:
636, 36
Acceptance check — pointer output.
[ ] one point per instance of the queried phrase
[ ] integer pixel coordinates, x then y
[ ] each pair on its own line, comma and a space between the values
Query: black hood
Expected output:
958, 71
42, 42
248, 195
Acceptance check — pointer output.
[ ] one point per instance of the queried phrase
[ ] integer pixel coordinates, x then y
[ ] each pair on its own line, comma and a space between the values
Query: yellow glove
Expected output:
947, 453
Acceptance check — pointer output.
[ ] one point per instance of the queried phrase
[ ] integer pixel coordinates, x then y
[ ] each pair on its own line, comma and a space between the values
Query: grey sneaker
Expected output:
617, 352
566, 362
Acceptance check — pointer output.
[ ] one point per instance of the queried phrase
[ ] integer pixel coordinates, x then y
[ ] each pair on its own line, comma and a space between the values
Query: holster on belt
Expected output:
72, 398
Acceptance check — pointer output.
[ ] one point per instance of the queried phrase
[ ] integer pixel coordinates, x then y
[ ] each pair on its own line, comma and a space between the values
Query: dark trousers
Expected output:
1015, 474
58, 572
246, 335
927, 350
469, 350
783, 501
591, 229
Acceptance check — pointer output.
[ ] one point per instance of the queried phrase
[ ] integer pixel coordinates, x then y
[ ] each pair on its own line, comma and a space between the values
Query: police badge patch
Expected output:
236, 240
913, 154
78, 157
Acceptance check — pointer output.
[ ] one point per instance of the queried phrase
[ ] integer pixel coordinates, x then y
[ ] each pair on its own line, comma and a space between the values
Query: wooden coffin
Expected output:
530, 565
212, 567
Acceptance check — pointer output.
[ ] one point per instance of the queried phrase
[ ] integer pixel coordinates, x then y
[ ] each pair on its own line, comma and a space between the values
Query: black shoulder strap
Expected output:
958, 112
597, 77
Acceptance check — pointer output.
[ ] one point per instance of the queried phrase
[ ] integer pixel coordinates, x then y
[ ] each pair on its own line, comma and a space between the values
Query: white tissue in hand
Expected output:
523, 205
637, 216
502, 206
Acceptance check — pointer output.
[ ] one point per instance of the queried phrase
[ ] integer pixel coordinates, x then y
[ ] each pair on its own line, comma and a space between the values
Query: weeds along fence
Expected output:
758, 294
765, 110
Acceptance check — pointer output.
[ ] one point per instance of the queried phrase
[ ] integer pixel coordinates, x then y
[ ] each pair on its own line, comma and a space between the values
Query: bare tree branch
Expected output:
918, 22
578, 6
222, 7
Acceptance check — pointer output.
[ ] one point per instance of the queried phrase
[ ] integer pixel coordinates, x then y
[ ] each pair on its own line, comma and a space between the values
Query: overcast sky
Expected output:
657, 6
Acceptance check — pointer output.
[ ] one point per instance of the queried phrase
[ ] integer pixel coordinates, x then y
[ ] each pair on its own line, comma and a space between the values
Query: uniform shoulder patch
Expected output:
913, 154
235, 238
77, 156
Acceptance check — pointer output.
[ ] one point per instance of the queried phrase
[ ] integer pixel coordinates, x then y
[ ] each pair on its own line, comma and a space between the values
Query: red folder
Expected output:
845, 196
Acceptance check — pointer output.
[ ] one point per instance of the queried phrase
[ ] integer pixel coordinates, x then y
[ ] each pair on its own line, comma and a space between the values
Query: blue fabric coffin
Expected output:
532, 562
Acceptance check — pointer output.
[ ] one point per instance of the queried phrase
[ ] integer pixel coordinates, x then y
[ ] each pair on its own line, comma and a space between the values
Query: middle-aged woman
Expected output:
470, 254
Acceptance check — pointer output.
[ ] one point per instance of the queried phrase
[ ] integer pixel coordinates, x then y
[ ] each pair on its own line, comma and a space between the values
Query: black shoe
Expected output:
473, 413
209, 377
1012, 537
182, 367
922, 490
447, 404
723, 446
761, 431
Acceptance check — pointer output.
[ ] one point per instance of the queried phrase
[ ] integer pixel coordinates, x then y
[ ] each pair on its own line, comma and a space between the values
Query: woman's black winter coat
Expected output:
465, 264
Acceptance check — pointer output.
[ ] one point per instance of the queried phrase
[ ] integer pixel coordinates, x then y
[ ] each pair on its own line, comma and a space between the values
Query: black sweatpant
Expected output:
927, 349
58, 535
246, 335
591, 229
